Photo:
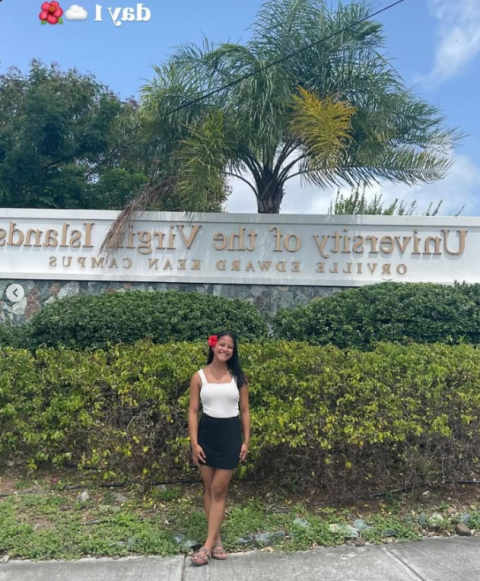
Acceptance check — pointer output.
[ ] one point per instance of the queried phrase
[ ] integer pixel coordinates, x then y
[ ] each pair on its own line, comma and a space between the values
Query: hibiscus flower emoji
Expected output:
51, 13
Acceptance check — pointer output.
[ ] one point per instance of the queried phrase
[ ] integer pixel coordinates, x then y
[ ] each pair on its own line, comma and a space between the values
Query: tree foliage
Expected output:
57, 129
67, 141
357, 203
268, 111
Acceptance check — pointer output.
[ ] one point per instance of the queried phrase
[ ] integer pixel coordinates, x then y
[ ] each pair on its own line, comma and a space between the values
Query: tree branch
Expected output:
287, 149
284, 173
254, 166
241, 178
298, 173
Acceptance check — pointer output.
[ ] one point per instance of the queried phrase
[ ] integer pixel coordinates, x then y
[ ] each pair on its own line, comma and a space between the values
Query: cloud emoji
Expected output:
76, 13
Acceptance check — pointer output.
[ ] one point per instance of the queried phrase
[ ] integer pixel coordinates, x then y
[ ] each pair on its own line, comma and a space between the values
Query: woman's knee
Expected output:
218, 491
207, 490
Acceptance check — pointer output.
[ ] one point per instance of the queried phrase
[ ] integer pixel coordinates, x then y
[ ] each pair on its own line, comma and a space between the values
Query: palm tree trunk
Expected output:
270, 195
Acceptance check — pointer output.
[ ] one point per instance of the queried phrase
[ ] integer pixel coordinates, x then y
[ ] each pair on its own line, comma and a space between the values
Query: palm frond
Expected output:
203, 157
400, 118
150, 194
322, 126
399, 164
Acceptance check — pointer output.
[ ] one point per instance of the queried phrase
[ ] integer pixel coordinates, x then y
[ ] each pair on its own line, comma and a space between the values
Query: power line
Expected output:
282, 59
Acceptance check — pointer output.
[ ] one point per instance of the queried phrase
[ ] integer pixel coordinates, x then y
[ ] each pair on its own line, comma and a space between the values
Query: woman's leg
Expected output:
219, 488
207, 473
207, 476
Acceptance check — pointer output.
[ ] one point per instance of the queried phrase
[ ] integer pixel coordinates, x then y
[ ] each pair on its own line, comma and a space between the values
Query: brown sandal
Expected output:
219, 550
197, 558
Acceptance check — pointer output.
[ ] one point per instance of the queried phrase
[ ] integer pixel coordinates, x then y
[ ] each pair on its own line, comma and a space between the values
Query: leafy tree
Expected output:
335, 112
56, 129
67, 141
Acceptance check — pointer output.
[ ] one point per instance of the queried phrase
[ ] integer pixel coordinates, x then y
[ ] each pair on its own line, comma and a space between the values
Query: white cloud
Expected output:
460, 187
458, 34
76, 13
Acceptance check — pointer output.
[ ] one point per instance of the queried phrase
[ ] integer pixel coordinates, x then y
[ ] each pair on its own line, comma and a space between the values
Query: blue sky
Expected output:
435, 45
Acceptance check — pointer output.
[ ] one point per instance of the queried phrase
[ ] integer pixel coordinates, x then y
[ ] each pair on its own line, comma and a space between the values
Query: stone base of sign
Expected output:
267, 298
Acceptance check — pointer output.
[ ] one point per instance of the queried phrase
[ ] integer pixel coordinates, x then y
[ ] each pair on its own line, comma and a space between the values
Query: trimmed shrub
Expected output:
339, 420
7, 336
94, 321
422, 313
14, 336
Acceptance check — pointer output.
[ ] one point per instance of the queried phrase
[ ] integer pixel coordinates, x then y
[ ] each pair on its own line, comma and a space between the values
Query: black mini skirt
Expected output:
221, 440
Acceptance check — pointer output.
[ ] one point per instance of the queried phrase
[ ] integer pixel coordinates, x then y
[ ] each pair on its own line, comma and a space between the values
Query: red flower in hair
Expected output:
212, 340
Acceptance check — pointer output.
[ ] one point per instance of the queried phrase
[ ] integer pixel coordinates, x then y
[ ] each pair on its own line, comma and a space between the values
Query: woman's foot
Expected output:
201, 557
218, 552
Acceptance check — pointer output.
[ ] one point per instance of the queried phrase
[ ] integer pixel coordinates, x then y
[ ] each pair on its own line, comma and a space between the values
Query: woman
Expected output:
217, 440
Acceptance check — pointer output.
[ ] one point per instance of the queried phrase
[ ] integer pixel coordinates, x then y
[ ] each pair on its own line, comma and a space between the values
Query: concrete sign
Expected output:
240, 248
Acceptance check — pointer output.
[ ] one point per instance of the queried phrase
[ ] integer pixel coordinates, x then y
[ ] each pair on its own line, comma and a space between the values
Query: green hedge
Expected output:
11, 336
94, 321
341, 420
16, 336
359, 318
422, 313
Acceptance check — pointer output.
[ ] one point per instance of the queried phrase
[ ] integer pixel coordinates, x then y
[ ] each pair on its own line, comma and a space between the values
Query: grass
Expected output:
39, 520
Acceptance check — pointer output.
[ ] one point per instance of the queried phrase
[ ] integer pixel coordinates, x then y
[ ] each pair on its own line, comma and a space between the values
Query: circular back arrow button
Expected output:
15, 293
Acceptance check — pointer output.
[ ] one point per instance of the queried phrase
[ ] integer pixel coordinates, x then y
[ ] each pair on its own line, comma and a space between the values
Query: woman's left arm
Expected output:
245, 411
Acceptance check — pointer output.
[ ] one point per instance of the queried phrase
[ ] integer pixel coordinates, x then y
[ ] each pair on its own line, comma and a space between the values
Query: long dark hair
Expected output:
233, 363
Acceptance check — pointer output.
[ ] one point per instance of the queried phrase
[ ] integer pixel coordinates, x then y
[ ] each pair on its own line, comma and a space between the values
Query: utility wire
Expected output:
282, 59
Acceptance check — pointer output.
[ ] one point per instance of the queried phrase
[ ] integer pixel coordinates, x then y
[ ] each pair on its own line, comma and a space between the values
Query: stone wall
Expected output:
268, 298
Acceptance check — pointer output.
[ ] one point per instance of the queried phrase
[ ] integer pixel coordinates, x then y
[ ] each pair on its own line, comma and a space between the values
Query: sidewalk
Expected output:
436, 559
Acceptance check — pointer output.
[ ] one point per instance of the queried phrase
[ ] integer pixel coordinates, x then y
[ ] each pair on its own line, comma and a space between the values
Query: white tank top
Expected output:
219, 400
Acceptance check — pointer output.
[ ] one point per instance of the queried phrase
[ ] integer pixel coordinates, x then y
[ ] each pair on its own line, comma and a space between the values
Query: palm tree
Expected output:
336, 112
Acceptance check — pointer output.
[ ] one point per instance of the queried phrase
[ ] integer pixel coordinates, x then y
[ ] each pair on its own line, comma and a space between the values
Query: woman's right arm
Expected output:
198, 454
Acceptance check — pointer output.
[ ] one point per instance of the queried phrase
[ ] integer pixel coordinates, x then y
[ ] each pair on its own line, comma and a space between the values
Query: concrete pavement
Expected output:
129, 569
435, 559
